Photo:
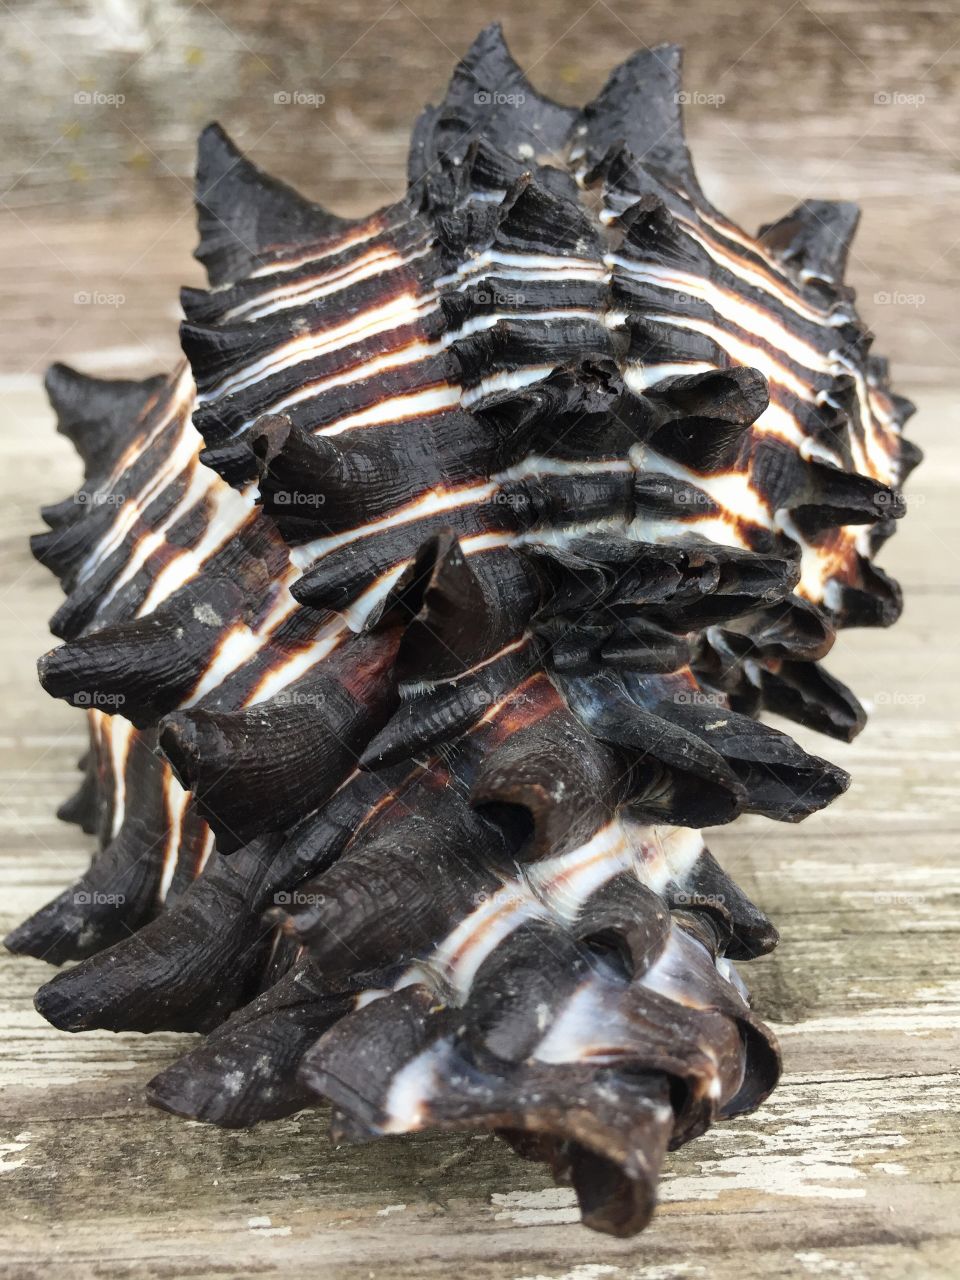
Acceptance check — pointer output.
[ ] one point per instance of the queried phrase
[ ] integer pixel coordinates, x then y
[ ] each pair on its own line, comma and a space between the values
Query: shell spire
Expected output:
426, 612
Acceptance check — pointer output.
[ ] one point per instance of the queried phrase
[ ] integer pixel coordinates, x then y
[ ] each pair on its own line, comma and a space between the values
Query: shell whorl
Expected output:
423, 616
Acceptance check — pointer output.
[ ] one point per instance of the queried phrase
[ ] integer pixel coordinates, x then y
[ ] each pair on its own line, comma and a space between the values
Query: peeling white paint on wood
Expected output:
583, 1271
264, 1228
553, 1205
8, 1150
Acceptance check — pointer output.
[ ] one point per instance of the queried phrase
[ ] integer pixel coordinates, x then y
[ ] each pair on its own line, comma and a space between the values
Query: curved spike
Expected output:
147, 666
673, 770
794, 629
98, 415
640, 106
265, 767
780, 779
429, 717
243, 215
121, 889
457, 614
488, 92
706, 884
828, 497
805, 693
708, 416
390, 895
814, 238
625, 917
533, 219
873, 600
185, 970
653, 235
258, 1049
548, 776
313, 486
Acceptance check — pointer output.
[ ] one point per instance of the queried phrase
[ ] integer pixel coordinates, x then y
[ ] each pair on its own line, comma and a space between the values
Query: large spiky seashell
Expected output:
422, 617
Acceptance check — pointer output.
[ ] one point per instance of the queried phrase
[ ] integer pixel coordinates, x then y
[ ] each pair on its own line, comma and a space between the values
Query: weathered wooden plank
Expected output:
851, 1169
274, 1199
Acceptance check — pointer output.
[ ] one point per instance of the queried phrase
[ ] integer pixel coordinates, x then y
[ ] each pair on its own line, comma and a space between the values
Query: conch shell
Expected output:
423, 616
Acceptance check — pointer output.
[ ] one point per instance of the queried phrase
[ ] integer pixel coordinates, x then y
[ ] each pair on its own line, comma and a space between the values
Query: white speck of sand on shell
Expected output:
207, 614
233, 1082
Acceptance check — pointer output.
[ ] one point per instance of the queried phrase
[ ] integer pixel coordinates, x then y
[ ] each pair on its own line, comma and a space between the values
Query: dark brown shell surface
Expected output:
425, 614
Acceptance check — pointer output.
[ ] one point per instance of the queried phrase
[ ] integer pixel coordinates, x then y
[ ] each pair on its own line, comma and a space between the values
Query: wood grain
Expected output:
852, 1169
